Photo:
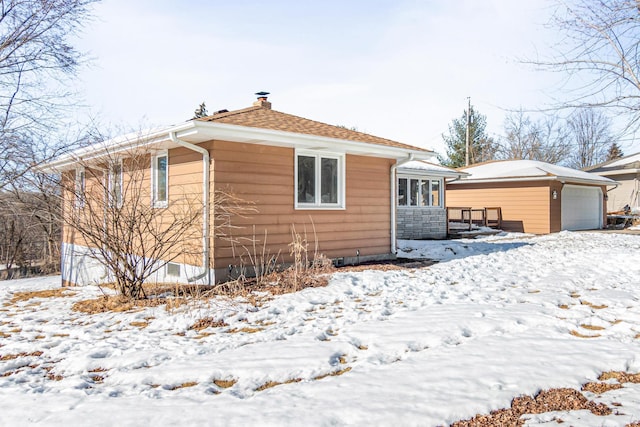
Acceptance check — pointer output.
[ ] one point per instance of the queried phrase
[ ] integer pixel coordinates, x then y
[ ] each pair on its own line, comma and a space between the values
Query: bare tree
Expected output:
591, 138
108, 208
600, 55
545, 140
35, 53
29, 231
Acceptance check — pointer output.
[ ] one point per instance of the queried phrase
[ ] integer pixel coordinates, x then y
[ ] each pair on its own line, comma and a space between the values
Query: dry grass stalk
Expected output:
246, 330
270, 384
114, 303
579, 335
599, 388
333, 374
225, 383
594, 306
183, 385
23, 354
592, 327
207, 322
140, 325
621, 377
306, 270
98, 379
47, 293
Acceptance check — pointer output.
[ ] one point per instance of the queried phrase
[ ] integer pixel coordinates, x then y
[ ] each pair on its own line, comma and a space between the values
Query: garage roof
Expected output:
528, 170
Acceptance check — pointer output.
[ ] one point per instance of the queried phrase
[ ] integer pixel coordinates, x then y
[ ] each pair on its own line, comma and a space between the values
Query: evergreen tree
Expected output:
201, 111
614, 152
482, 147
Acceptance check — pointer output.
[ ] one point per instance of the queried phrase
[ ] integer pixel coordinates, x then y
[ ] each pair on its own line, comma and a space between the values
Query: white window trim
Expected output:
154, 174
421, 178
111, 180
80, 187
341, 205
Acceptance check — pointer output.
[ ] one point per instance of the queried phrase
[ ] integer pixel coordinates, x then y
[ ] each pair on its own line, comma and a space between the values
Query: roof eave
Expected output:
198, 131
426, 172
114, 147
562, 179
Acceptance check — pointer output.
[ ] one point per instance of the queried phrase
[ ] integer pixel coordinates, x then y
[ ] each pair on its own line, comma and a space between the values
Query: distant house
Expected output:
626, 171
337, 184
535, 197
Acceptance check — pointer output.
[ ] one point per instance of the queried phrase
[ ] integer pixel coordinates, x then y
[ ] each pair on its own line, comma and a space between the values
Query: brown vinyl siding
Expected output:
525, 205
264, 175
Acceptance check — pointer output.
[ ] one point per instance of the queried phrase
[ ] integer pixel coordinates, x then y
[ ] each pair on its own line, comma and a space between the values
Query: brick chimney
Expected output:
262, 100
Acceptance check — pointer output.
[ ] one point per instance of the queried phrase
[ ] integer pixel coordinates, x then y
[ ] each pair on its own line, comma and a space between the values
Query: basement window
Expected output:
319, 181
173, 269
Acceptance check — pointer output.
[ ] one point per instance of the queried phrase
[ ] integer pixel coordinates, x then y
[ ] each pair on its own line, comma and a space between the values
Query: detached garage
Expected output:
535, 197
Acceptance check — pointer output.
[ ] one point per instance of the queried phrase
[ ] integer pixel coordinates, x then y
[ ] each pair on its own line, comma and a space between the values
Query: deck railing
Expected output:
464, 218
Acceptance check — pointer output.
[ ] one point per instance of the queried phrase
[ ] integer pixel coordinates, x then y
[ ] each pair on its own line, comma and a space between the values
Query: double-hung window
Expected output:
160, 179
115, 184
80, 187
319, 180
420, 192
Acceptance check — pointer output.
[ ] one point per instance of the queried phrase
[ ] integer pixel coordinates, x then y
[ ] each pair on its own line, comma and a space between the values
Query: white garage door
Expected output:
581, 207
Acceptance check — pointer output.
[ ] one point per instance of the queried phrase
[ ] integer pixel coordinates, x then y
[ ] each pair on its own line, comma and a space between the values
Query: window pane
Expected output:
435, 193
80, 187
424, 193
329, 180
306, 179
116, 184
414, 192
402, 192
161, 179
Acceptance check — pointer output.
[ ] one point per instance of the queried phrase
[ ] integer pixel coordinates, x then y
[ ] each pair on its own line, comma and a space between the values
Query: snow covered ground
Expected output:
497, 317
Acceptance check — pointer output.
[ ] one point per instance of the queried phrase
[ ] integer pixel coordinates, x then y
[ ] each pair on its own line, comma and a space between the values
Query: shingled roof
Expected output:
262, 116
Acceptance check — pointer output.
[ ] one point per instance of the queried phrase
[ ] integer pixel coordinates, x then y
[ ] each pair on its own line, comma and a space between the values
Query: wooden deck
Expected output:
463, 219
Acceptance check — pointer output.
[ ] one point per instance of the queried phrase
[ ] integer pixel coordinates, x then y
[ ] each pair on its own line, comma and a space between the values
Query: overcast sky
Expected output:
394, 68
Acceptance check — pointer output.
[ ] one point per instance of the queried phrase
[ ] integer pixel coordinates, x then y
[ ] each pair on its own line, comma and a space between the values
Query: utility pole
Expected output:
466, 151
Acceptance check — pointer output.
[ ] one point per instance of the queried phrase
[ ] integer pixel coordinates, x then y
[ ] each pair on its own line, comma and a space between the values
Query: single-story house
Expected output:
335, 185
535, 197
626, 171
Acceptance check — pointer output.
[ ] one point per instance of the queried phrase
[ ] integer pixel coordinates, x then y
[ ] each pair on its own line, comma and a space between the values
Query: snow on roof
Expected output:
624, 161
507, 170
430, 168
